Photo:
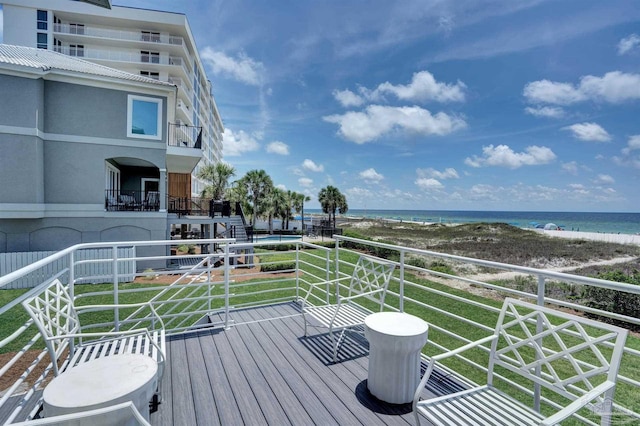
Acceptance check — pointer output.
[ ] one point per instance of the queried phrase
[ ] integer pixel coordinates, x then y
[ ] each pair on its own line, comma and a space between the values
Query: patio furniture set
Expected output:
115, 375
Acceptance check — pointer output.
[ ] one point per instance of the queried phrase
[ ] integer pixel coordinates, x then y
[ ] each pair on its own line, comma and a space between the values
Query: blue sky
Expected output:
430, 104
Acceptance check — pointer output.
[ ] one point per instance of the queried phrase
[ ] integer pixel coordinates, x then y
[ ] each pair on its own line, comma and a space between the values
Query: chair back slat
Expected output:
565, 353
53, 313
371, 275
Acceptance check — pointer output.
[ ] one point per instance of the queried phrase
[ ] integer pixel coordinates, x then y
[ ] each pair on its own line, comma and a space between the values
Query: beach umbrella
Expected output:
551, 226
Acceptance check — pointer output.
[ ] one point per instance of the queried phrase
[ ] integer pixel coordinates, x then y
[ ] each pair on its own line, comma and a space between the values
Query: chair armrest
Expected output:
464, 348
356, 296
113, 335
321, 283
578, 404
445, 355
79, 309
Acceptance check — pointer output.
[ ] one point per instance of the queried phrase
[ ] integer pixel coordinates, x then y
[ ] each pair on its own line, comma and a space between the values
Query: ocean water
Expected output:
623, 223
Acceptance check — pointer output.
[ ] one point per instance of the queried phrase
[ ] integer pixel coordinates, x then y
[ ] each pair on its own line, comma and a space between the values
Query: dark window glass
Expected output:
42, 41
42, 25
42, 15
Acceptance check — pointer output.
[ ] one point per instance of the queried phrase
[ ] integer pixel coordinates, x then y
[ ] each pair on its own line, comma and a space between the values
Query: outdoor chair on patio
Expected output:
152, 201
56, 317
574, 360
369, 281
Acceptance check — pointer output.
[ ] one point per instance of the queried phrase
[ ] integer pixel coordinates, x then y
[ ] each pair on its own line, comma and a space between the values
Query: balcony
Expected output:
172, 64
184, 148
235, 349
131, 201
95, 35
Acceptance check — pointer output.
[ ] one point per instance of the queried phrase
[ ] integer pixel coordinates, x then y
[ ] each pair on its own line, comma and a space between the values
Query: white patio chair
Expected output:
152, 201
574, 357
369, 281
56, 317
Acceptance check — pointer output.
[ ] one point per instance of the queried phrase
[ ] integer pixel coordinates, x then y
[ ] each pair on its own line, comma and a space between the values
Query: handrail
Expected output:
215, 285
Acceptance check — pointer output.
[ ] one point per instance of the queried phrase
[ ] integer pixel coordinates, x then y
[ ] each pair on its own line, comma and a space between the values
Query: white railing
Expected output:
204, 295
118, 34
123, 56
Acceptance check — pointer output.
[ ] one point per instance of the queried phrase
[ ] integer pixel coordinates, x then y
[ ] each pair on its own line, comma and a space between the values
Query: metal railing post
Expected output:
540, 302
226, 285
297, 271
401, 281
116, 310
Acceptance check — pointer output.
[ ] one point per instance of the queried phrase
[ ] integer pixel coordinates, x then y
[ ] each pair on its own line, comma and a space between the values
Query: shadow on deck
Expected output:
263, 371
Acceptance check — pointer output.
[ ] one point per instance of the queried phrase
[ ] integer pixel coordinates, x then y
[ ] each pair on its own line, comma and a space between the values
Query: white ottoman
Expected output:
395, 342
101, 383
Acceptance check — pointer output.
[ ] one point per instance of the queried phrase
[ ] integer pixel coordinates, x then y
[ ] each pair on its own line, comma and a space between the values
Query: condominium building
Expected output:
154, 44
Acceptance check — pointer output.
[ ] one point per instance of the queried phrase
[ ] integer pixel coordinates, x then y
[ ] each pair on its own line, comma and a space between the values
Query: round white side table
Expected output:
395, 342
101, 383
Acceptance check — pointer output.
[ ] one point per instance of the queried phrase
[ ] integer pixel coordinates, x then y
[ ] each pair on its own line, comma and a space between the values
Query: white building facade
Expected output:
149, 43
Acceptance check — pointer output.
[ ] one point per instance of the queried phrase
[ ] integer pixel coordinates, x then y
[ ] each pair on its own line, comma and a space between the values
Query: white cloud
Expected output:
371, 176
359, 193
603, 179
241, 68
347, 98
306, 182
448, 173
570, 167
545, 91
277, 147
311, 166
377, 120
632, 145
428, 184
236, 143
503, 156
281, 186
590, 132
627, 44
614, 87
545, 111
424, 87
630, 153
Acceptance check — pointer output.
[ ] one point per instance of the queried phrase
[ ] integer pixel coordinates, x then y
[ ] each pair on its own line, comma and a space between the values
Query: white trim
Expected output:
55, 137
159, 121
42, 210
145, 180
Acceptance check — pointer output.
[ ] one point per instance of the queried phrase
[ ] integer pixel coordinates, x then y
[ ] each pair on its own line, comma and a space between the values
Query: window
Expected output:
76, 28
151, 74
42, 41
76, 50
150, 36
144, 117
42, 19
150, 57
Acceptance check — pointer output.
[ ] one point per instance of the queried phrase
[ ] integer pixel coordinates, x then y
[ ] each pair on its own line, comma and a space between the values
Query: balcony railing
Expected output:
185, 136
118, 34
131, 200
121, 56
215, 286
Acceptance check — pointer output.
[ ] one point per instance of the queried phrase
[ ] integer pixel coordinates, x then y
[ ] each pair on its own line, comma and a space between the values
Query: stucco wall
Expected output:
72, 109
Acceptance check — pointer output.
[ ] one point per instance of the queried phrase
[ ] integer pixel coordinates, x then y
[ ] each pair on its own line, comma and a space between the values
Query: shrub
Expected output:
612, 300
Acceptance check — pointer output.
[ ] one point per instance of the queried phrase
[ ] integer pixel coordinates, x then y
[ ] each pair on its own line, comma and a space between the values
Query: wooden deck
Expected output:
263, 371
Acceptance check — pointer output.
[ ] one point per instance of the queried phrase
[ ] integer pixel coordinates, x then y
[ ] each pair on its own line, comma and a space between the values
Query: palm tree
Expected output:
331, 199
298, 205
275, 205
258, 185
217, 176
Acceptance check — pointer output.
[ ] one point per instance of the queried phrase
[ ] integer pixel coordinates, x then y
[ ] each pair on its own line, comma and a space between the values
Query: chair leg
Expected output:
335, 346
305, 325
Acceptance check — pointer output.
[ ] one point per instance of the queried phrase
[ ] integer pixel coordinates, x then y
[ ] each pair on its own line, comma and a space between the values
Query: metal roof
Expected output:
49, 61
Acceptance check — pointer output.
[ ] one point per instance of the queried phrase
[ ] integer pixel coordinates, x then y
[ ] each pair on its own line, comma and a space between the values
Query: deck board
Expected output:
262, 370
